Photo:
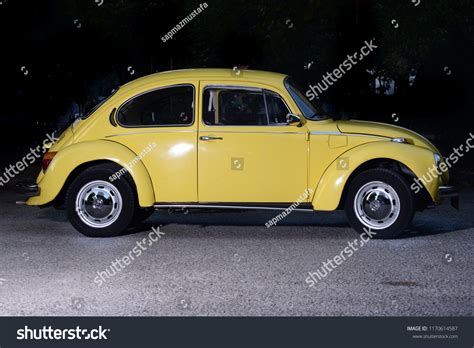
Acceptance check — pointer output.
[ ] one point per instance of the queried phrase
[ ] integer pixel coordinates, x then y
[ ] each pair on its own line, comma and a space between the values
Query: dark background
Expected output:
84, 49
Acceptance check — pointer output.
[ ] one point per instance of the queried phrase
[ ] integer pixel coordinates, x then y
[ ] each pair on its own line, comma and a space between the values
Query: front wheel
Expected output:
381, 201
97, 207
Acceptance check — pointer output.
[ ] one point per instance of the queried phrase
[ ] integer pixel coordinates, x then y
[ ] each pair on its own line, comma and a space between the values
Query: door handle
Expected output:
207, 138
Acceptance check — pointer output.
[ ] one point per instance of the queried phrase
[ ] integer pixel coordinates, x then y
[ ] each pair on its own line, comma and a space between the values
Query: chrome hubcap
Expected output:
98, 204
377, 205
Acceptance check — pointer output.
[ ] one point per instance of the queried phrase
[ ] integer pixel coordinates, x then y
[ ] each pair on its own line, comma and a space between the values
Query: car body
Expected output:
218, 138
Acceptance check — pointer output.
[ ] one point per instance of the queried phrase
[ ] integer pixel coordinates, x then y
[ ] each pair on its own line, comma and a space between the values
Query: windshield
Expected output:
90, 111
308, 109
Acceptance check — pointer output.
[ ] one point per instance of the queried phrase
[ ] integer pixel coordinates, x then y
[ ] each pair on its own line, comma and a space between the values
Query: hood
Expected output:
385, 130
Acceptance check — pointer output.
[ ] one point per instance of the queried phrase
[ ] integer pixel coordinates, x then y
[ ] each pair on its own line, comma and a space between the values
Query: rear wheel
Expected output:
380, 200
97, 207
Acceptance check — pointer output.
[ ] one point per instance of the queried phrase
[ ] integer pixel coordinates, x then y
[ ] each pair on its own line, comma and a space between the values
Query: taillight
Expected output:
48, 157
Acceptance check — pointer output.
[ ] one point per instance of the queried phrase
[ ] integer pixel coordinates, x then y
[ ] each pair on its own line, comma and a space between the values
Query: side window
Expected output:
172, 106
277, 109
234, 107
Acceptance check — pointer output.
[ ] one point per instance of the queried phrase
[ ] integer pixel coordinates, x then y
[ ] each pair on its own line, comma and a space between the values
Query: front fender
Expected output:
71, 157
329, 190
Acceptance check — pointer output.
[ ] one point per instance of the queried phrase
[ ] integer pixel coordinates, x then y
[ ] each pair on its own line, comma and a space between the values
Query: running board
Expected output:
306, 207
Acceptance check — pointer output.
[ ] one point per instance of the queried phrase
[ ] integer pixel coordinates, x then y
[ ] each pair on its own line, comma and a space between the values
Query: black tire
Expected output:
123, 216
407, 203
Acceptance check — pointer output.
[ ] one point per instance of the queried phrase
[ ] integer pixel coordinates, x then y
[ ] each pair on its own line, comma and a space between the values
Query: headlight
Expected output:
437, 159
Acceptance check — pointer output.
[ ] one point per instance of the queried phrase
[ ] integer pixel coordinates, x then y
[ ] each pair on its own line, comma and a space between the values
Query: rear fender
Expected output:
71, 157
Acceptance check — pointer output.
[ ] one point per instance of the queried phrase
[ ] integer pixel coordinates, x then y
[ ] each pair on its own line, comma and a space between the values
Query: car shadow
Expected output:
420, 228
250, 218
431, 222
423, 224
256, 219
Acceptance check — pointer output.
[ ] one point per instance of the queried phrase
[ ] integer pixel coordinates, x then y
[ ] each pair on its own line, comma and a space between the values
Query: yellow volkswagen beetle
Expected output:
216, 138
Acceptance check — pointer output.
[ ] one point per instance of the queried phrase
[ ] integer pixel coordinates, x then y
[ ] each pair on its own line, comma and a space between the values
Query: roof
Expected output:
214, 74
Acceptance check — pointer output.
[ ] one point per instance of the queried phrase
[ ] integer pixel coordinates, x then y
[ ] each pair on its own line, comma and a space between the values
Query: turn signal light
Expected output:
48, 157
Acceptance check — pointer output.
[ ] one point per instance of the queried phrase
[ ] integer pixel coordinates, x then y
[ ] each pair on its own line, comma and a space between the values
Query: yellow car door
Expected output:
246, 150
159, 125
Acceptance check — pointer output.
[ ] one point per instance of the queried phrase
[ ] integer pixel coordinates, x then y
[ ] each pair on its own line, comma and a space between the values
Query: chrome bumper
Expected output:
449, 192
25, 191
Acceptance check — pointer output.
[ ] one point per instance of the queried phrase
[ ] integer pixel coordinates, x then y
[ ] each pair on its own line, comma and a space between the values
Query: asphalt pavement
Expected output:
230, 264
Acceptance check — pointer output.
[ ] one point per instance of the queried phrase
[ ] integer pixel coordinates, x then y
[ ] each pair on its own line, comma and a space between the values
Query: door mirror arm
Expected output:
293, 120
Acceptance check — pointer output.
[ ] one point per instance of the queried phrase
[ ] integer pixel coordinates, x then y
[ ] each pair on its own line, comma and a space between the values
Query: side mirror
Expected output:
293, 120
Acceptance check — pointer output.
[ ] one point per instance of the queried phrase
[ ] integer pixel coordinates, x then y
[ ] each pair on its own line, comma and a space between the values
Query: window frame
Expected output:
154, 90
249, 89
266, 105
290, 83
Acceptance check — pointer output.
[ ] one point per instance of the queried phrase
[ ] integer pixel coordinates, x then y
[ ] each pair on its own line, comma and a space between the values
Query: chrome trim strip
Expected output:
251, 132
202, 131
366, 135
446, 188
234, 87
152, 132
213, 130
210, 206
266, 108
325, 133
348, 134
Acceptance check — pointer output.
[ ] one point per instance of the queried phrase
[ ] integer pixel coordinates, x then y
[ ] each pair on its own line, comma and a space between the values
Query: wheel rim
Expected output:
377, 205
98, 204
